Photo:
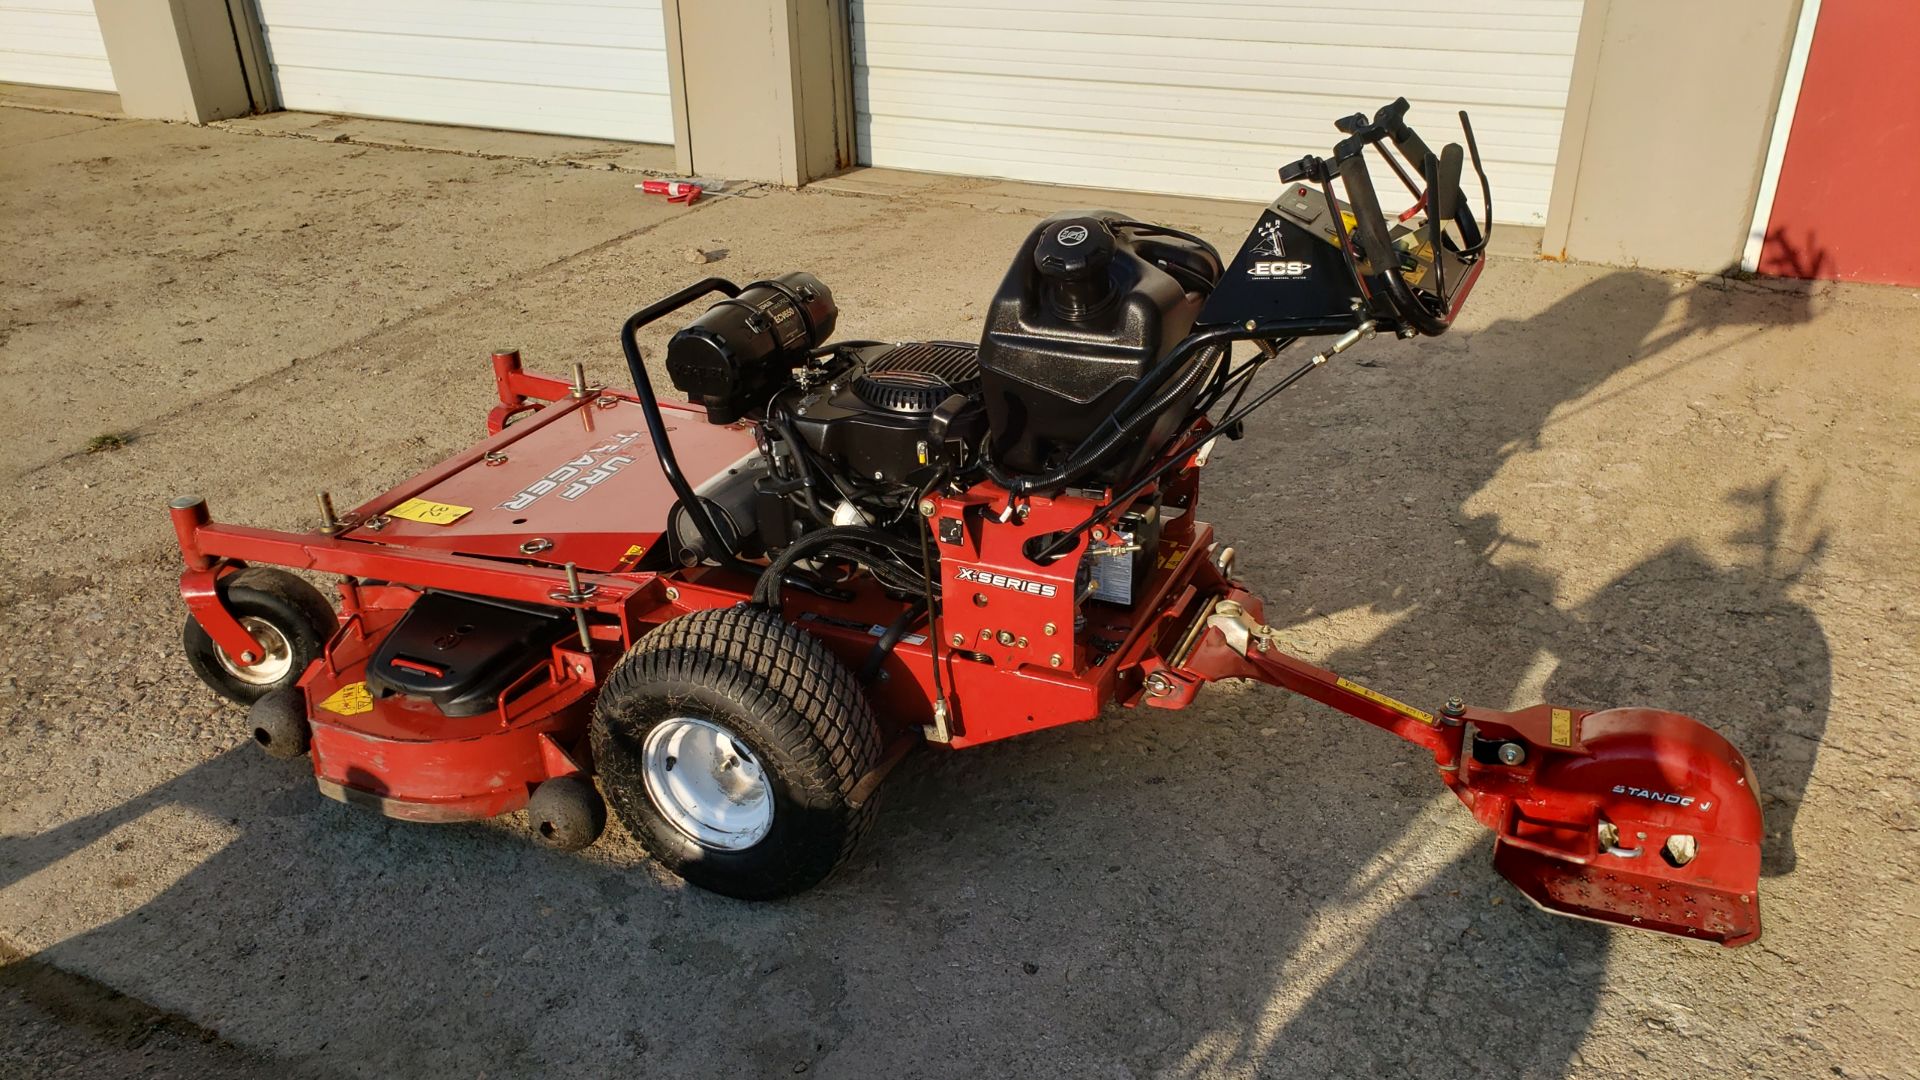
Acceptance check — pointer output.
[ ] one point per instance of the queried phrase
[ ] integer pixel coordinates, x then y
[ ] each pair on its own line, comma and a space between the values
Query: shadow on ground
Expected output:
1041, 884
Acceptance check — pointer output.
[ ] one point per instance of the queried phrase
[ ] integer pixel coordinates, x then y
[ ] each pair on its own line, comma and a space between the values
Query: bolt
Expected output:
1159, 685
959, 640
1454, 707
1513, 754
673, 593
986, 635
878, 475
1054, 659
247, 657
926, 507
1023, 643
979, 599
1098, 533
1050, 629
1006, 637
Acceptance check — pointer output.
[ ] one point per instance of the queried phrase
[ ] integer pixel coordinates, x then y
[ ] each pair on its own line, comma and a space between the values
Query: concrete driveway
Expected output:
1606, 487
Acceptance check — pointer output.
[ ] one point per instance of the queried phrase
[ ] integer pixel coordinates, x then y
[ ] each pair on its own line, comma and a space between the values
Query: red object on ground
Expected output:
1852, 167
680, 191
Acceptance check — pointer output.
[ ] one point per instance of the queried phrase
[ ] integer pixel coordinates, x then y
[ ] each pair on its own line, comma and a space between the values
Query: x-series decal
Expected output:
1002, 581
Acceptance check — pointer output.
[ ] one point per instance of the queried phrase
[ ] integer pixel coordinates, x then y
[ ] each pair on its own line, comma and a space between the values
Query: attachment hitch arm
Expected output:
1636, 817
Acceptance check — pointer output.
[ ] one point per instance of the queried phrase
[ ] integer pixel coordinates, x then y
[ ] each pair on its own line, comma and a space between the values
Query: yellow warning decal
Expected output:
430, 513
350, 700
1562, 733
1379, 698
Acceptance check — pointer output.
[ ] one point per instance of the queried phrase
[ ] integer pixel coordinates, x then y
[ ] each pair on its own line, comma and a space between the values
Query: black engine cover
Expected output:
1089, 305
881, 416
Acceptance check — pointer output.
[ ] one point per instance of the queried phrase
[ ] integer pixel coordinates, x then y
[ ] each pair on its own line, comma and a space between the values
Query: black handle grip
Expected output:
1370, 228
1443, 202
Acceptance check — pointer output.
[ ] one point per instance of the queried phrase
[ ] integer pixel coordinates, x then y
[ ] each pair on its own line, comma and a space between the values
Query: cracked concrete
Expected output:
1605, 486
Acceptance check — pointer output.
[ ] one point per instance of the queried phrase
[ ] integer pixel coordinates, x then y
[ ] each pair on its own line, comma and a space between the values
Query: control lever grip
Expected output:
1370, 228
1444, 201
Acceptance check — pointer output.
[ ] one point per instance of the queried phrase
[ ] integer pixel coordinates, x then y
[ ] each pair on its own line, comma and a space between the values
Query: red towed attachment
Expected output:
1637, 817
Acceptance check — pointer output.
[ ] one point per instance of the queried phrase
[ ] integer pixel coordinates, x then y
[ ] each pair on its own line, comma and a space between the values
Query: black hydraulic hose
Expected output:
870, 669
1068, 538
785, 431
717, 546
766, 592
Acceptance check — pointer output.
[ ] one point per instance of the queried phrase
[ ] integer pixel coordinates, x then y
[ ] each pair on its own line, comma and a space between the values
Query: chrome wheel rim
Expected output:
707, 783
273, 667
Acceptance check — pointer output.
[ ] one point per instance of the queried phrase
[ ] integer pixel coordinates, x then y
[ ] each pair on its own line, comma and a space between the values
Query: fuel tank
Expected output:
1092, 302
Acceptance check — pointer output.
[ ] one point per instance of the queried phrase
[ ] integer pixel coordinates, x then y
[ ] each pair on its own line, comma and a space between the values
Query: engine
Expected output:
854, 434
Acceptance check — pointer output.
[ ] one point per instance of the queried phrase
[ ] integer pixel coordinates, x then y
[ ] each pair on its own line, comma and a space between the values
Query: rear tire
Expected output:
290, 618
769, 732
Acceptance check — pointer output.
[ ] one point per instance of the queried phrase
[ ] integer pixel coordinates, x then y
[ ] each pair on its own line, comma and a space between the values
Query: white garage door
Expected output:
597, 69
53, 43
1201, 97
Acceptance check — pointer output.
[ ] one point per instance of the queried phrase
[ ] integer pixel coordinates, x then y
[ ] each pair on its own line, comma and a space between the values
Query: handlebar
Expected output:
1442, 199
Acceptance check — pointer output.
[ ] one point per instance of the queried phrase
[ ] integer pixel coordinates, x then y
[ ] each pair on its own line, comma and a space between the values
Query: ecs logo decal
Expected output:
1278, 266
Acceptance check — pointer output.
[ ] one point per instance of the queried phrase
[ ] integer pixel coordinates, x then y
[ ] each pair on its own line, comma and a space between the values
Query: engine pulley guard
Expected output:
1636, 817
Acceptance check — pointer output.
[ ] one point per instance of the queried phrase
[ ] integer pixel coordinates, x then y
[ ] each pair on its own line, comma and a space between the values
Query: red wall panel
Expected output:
1849, 184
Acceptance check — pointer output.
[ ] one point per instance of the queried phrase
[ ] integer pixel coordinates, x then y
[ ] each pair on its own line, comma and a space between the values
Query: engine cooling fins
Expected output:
914, 378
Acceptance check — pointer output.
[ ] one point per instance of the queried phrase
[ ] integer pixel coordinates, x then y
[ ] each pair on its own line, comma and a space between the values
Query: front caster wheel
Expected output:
288, 617
566, 813
729, 742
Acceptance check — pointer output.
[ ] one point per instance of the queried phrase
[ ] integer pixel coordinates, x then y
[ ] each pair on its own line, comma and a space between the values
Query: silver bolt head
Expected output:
1512, 753
673, 593
926, 507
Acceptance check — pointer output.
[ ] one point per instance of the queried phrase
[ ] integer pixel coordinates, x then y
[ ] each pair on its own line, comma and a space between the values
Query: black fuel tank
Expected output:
1091, 302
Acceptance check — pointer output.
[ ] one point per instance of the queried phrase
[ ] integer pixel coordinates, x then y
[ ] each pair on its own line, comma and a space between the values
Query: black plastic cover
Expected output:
460, 652
1086, 310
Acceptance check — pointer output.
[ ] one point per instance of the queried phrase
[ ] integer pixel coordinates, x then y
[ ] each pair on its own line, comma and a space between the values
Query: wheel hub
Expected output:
707, 783
272, 667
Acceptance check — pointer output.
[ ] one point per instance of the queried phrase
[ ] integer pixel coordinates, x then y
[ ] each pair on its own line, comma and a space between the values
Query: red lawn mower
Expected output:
739, 613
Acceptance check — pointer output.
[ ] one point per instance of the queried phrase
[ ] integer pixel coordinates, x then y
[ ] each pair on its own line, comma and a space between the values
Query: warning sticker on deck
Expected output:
1562, 731
1379, 698
350, 700
430, 513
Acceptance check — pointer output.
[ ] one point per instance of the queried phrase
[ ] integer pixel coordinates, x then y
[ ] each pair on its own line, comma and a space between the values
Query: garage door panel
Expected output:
1525, 79
533, 22
1268, 118
591, 69
574, 67
1205, 98
53, 43
1414, 31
